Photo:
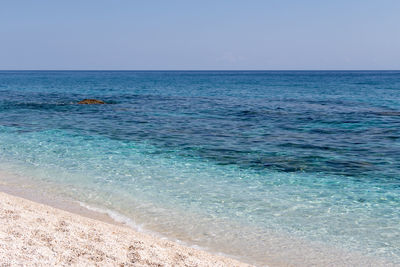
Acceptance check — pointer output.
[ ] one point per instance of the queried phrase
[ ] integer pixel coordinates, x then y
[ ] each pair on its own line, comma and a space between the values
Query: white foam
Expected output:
117, 217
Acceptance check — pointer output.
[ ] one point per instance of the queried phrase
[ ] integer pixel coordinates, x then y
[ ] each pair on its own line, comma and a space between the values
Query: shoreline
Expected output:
19, 186
52, 201
36, 233
281, 250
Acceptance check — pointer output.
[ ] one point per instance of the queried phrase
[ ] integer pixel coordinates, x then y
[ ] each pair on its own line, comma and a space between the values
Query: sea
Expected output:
269, 167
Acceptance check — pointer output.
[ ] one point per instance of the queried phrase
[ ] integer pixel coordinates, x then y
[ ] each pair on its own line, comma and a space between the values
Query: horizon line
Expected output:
193, 70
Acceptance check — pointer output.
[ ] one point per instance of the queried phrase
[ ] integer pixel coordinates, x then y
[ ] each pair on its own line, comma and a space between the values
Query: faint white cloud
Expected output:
229, 58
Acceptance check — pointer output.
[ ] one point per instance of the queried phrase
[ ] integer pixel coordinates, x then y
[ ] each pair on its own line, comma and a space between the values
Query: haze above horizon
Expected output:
206, 35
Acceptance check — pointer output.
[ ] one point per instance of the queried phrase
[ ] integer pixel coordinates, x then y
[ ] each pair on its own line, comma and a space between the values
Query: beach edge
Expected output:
37, 233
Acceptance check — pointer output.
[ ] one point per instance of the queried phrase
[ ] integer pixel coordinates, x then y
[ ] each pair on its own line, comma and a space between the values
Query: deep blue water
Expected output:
315, 154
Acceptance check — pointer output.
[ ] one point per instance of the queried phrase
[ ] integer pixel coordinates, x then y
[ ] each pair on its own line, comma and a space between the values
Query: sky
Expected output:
199, 35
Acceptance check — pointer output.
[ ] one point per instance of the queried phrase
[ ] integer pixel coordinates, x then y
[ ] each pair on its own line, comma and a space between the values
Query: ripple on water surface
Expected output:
219, 159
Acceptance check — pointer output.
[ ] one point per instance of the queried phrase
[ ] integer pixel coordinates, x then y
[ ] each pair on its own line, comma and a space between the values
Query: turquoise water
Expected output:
236, 162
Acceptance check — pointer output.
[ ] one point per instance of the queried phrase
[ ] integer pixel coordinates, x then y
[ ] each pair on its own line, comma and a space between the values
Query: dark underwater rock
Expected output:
91, 102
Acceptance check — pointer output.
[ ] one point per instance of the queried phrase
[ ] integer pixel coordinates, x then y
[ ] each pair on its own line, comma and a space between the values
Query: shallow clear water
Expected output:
219, 159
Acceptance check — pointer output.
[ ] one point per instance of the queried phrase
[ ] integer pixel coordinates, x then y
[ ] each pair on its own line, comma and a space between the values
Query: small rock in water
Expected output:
91, 101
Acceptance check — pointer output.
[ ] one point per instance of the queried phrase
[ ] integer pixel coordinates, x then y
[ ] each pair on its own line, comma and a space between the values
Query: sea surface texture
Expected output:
245, 163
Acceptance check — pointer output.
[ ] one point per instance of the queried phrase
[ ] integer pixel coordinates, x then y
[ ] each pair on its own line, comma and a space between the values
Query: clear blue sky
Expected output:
186, 34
